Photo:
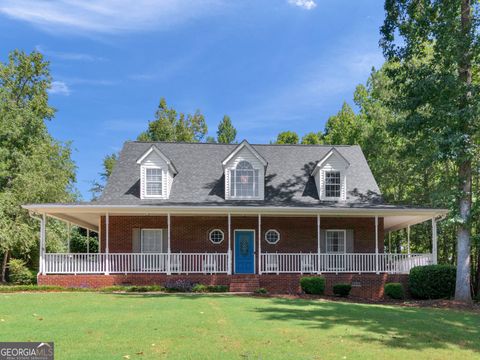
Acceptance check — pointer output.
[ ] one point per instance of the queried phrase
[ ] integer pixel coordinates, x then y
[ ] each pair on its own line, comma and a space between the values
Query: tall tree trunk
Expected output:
462, 288
4, 265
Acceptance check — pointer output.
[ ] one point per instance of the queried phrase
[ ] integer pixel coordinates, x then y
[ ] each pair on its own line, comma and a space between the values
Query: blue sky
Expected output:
270, 65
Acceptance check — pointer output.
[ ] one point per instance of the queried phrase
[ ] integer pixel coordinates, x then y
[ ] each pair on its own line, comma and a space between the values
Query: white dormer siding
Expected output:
245, 154
333, 162
153, 159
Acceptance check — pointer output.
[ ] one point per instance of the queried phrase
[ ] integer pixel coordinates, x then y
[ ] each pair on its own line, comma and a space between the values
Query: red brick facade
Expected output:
190, 233
368, 286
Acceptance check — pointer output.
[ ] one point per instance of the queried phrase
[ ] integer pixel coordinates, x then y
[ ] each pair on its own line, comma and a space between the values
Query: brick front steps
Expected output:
367, 286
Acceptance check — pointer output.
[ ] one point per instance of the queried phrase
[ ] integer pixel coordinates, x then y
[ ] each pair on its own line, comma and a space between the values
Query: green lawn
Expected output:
146, 326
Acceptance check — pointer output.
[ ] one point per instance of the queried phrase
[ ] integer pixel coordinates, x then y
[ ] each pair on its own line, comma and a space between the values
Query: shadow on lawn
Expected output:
392, 326
402, 327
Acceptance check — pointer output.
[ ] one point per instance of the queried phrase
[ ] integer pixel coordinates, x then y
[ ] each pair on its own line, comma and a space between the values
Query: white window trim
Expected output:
325, 185
256, 184
210, 236
144, 182
141, 240
344, 231
272, 230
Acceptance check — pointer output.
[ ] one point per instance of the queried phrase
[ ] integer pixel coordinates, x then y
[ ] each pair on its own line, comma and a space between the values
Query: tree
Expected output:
287, 137
34, 167
172, 126
343, 128
108, 164
312, 139
226, 132
438, 43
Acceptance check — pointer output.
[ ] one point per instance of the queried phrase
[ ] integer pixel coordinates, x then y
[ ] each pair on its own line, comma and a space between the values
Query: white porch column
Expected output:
88, 241
168, 245
390, 242
107, 235
376, 245
69, 235
408, 240
229, 236
259, 244
318, 244
43, 238
434, 241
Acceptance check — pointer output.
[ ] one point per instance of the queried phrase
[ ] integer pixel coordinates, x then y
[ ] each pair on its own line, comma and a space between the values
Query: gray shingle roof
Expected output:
200, 179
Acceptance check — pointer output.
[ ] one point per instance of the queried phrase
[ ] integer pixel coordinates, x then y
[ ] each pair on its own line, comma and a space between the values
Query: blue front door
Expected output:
244, 253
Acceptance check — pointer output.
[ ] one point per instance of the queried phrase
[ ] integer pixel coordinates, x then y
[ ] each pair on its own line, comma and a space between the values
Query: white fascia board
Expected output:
219, 209
326, 157
243, 144
159, 153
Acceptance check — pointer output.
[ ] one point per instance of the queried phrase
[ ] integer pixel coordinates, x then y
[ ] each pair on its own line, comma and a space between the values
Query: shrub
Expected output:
432, 281
200, 288
342, 290
261, 291
313, 285
394, 291
18, 273
217, 288
179, 285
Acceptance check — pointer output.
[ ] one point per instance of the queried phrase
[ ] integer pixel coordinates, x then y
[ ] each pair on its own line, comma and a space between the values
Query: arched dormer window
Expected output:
244, 182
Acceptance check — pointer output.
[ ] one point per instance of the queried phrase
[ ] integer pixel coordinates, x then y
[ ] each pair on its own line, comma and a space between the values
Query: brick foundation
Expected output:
367, 286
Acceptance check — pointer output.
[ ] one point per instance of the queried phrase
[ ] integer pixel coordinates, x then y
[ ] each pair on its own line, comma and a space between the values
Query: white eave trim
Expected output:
243, 144
326, 157
217, 209
159, 153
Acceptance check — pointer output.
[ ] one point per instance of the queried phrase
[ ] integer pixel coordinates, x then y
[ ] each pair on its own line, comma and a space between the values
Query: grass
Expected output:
89, 325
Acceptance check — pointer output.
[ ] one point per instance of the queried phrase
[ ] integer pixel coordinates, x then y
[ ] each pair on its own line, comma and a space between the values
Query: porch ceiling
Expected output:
88, 216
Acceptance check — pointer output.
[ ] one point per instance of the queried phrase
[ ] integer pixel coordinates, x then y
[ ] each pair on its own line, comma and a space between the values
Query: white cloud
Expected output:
107, 16
68, 55
60, 88
304, 4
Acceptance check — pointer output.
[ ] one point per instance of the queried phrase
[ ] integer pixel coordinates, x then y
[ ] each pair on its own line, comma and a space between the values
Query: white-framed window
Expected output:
152, 240
244, 181
333, 184
216, 236
336, 241
272, 236
153, 181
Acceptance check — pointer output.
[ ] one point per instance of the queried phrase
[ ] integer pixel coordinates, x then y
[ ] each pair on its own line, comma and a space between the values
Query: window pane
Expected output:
335, 241
332, 184
245, 180
153, 181
151, 240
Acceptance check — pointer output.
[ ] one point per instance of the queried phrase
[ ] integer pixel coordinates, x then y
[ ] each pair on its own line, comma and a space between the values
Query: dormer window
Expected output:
156, 174
330, 175
332, 184
245, 181
153, 181
244, 172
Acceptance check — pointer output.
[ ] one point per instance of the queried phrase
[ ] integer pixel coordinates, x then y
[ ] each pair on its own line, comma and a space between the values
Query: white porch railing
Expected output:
277, 263
120, 263
214, 263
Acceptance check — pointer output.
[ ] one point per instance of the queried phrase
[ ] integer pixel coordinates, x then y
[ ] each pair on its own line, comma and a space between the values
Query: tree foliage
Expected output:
435, 47
34, 167
169, 125
226, 132
287, 137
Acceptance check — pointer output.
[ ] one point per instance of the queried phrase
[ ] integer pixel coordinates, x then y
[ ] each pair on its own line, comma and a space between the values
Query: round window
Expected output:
216, 236
272, 236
